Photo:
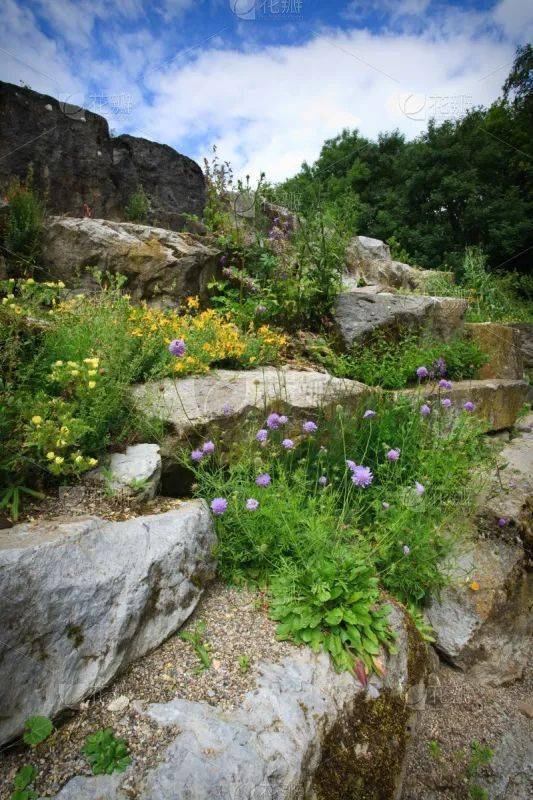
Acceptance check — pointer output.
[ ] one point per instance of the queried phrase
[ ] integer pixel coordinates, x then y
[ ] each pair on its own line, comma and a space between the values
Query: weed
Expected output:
105, 753
138, 206
22, 783
37, 729
196, 638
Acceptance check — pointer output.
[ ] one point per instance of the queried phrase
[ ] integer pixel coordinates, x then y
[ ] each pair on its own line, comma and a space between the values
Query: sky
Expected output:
266, 82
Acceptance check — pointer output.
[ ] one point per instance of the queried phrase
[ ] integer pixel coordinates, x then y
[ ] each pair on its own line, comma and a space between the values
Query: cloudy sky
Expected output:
266, 81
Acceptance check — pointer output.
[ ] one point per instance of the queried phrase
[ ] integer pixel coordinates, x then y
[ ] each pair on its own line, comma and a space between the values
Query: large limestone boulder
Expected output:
358, 315
82, 598
482, 621
362, 249
501, 343
134, 473
157, 262
77, 162
304, 731
225, 396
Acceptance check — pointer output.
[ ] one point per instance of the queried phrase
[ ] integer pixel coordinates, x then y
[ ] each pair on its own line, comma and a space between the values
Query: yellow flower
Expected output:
74, 372
61, 285
30, 281
91, 384
78, 459
36, 419
59, 364
58, 460
474, 586
51, 455
93, 462
192, 302
91, 372
72, 364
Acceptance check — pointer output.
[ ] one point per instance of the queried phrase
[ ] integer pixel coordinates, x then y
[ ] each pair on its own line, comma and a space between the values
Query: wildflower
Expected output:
288, 444
58, 460
422, 372
219, 505
362, 476
58, 364
51, 455
406, 549
352, 466
425, 410
93, 462
385, 505
474, 586
227, 409
78, 459
369, 414
263, 480
394, 454
420, 488
36, 419
177, 347
91, 384
208, 448
252, 504
446, 402
309, 427
283, 419
323, 481
261, 310
502, 522
273, 421
469, 406
197, 455
74, 372
261, 435
444, 384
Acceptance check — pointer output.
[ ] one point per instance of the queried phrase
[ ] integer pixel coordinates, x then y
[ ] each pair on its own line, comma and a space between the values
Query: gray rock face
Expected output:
511, 768
84, 597
157, 262
135, 473
487, 630
358, 315
362, 249
299, 734
226, 397
526, 338
77, 162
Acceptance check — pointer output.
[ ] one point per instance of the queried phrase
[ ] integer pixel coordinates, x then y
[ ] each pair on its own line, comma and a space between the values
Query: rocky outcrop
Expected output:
226, 397
525, 330
496, 402
363, 249
135, 473
359, 315
84, 597
304, 731
501, 343
158, 263
76, 162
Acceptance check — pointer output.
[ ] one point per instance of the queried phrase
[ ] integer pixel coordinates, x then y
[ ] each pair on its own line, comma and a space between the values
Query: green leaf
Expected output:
24, 776
334, 616
370, 646
37, 730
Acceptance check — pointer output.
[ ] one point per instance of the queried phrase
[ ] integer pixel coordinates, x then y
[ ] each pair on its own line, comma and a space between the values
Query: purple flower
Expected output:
261, 310
197, 455
309, 427
252, 504
273, 421
352, 466
227, 409
323, 481
177, 348
208, 448
394, 455
263, 480
288, 444
385, 505
444, 384
223, 260
369, 414
261, 435
425, 410
469, 406
446, 402
362, 476
422, 372
283, 419
440, 366
219, 505
420, 489
502, 522
406, 550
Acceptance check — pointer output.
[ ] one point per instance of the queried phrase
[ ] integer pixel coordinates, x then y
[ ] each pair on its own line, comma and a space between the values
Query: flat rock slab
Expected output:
482, 621
135, 473
226, 397
358, 315
497, 402
157, 262
304, 731
502, 345
82, 598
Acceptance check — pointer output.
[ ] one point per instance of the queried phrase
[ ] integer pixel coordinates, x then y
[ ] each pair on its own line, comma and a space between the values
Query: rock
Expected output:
525, 330
486, 632
156, 262
501, 344
98, 787
119, 704
303, 731
76, 162
497, 402
511, 767
82, 598
136, 473
226, 396
358, 315
362, 249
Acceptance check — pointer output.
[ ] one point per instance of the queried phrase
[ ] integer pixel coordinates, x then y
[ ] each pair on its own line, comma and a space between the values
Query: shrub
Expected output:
24, 228
138, 206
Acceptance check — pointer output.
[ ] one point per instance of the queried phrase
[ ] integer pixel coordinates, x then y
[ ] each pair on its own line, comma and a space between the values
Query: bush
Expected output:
138, 207
24, 228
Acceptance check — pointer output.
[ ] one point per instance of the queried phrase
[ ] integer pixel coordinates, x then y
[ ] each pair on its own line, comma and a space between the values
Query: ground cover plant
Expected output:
330, 514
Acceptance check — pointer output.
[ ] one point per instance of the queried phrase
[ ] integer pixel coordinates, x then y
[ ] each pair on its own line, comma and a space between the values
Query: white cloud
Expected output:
516, 18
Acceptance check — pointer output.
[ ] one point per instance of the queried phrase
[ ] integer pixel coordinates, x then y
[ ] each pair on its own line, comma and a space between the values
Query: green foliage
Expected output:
196, 638
22, 783
36, 730
105, 753
244, 663
138, 206
22, 237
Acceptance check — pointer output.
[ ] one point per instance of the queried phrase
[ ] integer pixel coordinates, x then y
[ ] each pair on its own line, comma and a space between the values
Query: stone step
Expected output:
359, 314
82, 598
497, 402
502, 345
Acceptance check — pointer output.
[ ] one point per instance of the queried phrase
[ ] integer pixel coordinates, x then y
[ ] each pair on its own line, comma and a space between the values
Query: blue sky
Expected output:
266, 82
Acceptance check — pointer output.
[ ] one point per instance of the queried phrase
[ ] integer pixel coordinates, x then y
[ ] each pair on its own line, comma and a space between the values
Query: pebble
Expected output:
119, 704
